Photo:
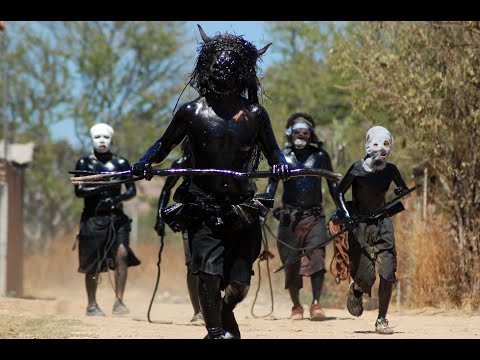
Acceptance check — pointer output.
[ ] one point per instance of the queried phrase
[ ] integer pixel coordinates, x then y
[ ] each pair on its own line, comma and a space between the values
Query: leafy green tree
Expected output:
426, 74
127, 74
302, 81
37, 91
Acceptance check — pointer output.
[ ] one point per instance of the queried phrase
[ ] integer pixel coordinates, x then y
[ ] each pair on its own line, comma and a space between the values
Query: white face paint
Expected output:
299, 143
101, 137
378, 146
301, 135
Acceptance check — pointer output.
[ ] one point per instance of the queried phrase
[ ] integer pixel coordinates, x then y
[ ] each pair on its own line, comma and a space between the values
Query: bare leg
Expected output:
91, 285
211, 304
295, 296
384, 294
192, 284
121, 271
317, 284
234, 294
119, 307
316, 311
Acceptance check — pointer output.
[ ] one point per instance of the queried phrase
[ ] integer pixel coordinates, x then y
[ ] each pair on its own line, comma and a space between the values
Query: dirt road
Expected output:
63, 317
55, 307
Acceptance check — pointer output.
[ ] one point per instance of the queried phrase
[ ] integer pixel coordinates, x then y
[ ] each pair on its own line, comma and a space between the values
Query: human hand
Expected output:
400, 190
160, 227
348, 223
281, 172
107, 204
142, 168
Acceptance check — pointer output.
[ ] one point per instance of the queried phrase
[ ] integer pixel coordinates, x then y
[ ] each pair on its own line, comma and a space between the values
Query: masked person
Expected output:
192, 279
104, 227
227, 129
302, 219
371, 243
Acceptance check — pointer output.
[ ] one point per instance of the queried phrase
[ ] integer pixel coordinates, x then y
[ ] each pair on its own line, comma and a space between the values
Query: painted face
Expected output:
378, 147
101, 137
301, 134
301, 138
224, 72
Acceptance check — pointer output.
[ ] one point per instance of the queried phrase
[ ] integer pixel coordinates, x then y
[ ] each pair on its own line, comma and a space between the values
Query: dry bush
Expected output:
428, 272
45, 276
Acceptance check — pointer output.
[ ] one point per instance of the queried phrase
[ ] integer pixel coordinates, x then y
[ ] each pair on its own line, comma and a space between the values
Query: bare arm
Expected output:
342, 188
268, 143
131, 189
175, 133
332, 184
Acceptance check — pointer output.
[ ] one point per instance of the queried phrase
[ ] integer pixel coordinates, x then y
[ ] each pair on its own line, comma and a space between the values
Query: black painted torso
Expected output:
100, 163
222, 134
304, 191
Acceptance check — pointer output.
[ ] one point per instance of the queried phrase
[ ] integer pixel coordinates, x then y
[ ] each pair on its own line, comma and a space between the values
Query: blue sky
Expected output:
253, 31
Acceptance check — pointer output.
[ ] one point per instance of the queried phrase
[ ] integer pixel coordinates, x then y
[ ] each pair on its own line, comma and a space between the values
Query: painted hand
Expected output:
142, 168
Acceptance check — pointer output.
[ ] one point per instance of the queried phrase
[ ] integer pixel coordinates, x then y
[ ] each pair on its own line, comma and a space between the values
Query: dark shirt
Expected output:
368, 189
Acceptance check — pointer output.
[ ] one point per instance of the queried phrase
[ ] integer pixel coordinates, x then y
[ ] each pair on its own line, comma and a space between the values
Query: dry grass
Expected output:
427, 259
58, 270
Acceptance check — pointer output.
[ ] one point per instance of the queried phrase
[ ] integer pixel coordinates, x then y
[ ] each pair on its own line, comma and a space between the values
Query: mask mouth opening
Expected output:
221, 85
299, 143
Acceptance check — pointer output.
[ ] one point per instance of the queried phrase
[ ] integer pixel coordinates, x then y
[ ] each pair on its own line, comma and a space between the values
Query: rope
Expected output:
339, 266
284, 243
158, 278
106, 250
265, 255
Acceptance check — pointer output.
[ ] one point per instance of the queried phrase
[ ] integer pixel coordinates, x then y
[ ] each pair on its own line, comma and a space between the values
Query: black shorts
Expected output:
372, 249
99, 239
225, 252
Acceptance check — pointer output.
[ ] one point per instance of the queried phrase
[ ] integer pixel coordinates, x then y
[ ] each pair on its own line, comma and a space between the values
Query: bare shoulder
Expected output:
191, 107
257, 109
82, 163
122, 161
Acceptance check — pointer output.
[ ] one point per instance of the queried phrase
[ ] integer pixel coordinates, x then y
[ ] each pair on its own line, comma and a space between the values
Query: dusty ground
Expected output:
64, 318
54, 305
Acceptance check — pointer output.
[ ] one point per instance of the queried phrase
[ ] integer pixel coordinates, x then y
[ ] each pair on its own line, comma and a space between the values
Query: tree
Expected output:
37, 88
122, 73
302, 81
127, 74
427, 76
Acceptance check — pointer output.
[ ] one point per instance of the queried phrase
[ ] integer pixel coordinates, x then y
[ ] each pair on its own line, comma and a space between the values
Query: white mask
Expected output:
299, 144
378, 147
101, 137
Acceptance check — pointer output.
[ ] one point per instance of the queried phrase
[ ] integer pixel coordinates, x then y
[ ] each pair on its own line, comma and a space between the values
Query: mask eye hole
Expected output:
375, 145
386, 143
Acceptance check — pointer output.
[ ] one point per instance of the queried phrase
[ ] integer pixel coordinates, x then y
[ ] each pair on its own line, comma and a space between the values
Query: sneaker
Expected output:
297, 313
316, 312
119, 308
94, 310
354, 303
197, 319
218, 333
381, 327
